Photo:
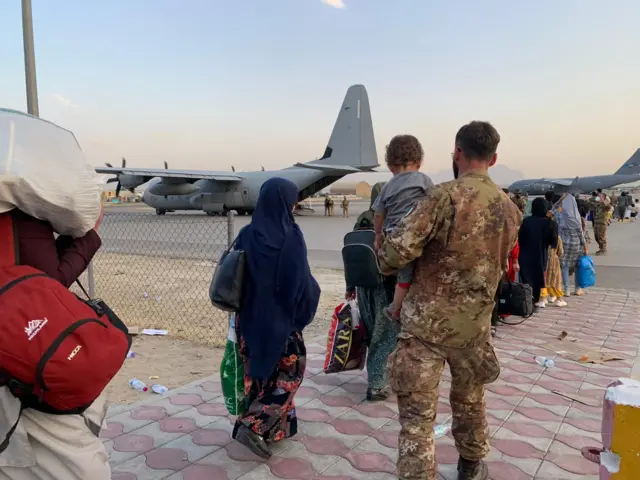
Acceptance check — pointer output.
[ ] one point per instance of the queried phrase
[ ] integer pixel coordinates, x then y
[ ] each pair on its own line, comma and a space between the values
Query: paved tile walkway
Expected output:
184, 435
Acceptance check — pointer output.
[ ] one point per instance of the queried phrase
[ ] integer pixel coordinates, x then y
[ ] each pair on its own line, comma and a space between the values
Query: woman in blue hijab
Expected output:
280, 299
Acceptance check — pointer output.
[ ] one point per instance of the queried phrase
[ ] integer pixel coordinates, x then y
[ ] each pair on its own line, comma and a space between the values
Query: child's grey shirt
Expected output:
399, 195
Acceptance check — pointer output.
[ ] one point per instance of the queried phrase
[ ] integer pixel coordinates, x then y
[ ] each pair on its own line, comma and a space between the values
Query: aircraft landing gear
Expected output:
212, 214
161, 211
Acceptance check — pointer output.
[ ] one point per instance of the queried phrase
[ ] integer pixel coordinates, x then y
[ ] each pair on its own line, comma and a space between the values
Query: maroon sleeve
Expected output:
64, 260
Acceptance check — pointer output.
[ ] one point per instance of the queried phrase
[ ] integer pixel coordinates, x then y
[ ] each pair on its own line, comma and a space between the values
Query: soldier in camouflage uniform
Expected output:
602, 210
520, 201
460, 235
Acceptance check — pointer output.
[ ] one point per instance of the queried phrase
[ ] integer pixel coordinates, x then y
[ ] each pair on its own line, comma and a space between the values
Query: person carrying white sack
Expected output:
35, 445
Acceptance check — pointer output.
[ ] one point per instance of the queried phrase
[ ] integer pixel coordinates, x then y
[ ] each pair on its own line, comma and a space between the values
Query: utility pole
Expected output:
29, 59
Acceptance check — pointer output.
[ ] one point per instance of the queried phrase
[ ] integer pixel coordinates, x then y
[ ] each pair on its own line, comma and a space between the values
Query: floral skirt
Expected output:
270, 410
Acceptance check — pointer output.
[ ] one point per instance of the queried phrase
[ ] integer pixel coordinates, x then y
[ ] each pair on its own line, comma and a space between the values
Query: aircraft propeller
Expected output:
117, 177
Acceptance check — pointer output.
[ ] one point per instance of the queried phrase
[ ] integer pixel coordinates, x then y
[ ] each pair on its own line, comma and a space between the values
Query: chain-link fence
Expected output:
155, 271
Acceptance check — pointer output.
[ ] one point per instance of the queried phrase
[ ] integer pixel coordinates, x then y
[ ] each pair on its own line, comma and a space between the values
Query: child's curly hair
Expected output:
403, 150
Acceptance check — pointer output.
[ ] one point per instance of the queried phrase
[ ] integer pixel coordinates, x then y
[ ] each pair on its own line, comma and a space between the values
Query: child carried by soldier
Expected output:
398, 197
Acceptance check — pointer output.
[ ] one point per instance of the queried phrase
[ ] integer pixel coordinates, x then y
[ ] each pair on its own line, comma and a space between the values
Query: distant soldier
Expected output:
460, 235
592, 208
345, 207
327, 209
601, 222
520, 201
331, 205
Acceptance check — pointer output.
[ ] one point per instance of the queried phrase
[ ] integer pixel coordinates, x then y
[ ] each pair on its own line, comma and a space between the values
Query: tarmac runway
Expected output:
135, 229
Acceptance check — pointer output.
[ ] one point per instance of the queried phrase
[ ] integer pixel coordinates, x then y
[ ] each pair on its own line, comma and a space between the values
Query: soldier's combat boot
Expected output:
468, 470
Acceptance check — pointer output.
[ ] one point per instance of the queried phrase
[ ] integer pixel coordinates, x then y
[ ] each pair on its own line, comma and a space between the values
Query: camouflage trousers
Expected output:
415, 368
600, 234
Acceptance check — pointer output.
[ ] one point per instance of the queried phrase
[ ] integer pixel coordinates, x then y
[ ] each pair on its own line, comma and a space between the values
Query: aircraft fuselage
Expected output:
586, 185
214, 196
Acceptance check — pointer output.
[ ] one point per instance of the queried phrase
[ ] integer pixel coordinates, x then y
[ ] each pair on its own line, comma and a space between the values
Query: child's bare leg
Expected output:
398, 296
405, 276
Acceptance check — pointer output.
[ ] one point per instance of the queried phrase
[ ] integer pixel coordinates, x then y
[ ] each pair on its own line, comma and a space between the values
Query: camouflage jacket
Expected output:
521, 203
602, 210
461, 234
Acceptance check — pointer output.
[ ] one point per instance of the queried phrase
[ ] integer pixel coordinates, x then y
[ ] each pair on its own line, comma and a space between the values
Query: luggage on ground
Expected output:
515, 299
347, 340
585, 272
44, 173
57, 352
232, 373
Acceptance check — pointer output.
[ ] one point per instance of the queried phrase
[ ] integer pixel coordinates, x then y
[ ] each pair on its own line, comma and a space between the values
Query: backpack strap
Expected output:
5, 442
9, 253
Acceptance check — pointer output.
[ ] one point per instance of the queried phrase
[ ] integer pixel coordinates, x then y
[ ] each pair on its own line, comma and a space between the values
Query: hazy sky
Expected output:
210, 83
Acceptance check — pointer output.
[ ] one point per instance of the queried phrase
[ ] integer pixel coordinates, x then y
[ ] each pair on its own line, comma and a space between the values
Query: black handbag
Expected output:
227, 283
515, 299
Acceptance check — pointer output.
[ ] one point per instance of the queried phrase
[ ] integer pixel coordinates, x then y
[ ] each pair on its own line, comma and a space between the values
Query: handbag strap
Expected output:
83, 289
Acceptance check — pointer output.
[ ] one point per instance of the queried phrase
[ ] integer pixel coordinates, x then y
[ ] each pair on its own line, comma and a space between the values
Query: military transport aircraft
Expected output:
351, 149
628, 173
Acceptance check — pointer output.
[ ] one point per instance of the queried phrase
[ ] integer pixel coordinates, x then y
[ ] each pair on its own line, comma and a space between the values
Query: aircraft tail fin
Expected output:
631, 166
352, 143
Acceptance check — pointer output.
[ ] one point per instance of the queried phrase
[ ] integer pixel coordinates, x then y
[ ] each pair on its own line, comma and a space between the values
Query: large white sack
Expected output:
44, 173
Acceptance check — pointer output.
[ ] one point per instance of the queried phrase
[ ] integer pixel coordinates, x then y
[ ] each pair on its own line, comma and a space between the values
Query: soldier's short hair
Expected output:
478, 140
403, 150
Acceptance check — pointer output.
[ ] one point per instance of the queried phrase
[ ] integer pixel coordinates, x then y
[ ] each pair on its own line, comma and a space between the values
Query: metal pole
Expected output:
92, 281
29, 59
231, 233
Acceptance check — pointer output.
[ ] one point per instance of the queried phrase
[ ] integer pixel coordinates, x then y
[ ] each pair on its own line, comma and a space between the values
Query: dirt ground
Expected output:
172, 294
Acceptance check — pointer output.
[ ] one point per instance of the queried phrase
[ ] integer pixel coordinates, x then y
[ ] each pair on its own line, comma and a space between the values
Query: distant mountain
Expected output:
501, 174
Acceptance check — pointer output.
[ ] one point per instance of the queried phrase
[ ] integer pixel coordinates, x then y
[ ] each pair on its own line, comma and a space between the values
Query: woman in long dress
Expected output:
382, 332
537, 233
280, 299
573, 242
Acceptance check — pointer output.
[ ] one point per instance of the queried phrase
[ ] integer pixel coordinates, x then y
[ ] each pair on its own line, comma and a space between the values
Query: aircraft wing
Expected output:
169, 173
565, 182
334, 168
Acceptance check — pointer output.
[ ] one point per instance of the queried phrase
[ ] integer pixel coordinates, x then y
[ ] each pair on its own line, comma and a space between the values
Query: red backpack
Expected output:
57, 352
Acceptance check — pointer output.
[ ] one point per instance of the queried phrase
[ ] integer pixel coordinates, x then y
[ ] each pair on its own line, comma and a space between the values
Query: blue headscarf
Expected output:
281, 296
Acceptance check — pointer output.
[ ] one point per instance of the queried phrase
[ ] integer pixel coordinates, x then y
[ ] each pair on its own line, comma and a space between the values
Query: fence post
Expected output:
231, 233
91, 280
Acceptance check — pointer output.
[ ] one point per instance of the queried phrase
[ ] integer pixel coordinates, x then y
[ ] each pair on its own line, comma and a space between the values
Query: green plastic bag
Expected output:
232, 373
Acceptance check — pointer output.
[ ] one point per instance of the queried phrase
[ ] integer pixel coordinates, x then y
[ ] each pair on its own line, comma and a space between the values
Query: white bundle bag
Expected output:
44, 173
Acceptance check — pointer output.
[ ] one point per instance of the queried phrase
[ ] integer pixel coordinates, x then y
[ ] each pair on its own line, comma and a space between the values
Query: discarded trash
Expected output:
154, 377
131, 354
145, 295
158, 298
159, 389
583, 358
545, 362
138, 385
441, 430
563, 335
153, 331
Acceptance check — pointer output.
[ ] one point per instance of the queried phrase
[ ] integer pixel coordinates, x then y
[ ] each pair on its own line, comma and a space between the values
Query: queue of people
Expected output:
443, 250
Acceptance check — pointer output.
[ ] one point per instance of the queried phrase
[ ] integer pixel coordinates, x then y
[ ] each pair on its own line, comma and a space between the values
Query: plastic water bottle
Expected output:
159, 389
545, 362
138, 385
441, 430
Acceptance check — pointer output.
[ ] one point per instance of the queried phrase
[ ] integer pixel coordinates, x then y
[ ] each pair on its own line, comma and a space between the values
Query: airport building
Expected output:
359, 189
